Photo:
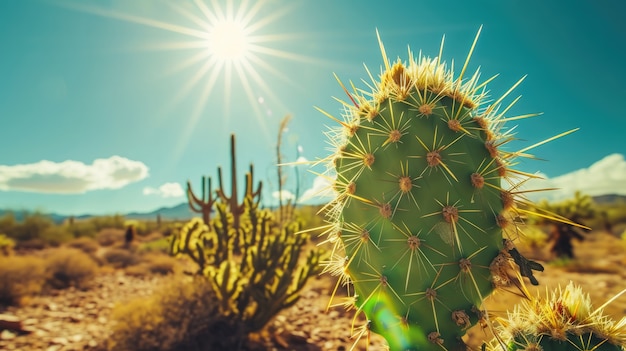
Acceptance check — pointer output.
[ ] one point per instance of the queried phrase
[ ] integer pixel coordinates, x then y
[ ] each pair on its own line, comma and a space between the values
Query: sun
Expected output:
228, 41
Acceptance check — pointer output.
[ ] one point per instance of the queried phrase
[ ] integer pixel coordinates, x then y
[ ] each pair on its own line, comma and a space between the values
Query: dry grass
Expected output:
20, 278
67, 267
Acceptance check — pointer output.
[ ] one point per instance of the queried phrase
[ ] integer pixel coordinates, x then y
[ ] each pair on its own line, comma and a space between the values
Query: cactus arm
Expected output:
204, 203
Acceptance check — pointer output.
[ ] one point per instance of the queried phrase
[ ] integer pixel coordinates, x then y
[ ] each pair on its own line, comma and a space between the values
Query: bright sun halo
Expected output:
227, 45
228, 41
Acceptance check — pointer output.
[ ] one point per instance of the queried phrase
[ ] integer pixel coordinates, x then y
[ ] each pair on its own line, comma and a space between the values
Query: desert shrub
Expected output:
160, 263
85, 244
110, 236
121, 258
82, 229
108, 222
7, 223
32, 227
182, 315
6, 245
56, 235
20, 277
161, 245
69, 267
31, 244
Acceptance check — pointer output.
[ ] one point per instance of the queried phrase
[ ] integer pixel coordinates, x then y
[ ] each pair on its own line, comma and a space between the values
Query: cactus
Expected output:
236, 208
204, 203
264, 278
562, 221
564, 321
426, 197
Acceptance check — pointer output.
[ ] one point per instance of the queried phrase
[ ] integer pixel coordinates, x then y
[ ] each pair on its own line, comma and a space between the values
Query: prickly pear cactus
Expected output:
561, 321
424, 195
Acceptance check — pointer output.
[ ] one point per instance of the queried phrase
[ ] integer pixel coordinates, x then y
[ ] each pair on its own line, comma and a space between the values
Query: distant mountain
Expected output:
609, 199
179, 212
182, 212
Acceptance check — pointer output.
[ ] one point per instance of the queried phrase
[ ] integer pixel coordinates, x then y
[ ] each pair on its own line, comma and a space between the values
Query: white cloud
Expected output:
166, 190
72, 177
606, 176
321, 190
286, 195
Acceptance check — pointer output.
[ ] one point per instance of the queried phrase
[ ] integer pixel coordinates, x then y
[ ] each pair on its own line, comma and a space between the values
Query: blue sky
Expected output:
112, 105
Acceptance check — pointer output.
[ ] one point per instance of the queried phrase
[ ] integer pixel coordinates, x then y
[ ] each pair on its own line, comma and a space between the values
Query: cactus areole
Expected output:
424, 196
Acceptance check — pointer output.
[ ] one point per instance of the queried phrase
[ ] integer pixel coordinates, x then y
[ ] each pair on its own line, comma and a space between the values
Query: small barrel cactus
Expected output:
425, 199
561, 321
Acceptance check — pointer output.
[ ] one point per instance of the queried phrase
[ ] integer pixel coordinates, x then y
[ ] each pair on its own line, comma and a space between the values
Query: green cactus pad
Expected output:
424, 198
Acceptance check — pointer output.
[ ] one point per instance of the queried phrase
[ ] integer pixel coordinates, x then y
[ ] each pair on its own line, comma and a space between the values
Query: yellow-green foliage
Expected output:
183, 315
158, 245
67, 267
20, 277
56, 235
257, 270
577, 209
6, 245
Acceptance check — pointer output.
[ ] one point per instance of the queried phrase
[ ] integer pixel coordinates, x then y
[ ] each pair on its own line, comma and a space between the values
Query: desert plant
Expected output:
204, 204
160, 244
85, 244
67, 267
182, 315
56, 235
563, 220
255, 276
120, 258
159, 263
427, 202
110, 236
20, 278
6, 245
129, 235
563, 320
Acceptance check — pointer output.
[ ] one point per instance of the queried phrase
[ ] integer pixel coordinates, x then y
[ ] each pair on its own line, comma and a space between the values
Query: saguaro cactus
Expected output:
425, 198
204, 203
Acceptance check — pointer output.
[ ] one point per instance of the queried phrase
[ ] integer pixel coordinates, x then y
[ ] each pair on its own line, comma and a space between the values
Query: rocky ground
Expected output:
79, 320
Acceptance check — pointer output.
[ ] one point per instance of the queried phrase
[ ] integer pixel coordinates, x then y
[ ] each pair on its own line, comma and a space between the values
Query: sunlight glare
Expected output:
228, 41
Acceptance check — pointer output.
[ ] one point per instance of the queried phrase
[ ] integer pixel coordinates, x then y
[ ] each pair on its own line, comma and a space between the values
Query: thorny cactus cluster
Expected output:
563, 320
427, 202
252, 260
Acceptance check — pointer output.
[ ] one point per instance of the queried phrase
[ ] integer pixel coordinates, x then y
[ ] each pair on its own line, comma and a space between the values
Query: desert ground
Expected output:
75, 319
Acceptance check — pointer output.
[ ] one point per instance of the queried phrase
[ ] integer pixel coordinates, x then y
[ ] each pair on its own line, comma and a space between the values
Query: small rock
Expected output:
296, 337
10, 322
7, 335
59, 341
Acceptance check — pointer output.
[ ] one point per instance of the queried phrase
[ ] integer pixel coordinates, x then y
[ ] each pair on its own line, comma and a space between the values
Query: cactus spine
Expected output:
563, 321
425, 197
